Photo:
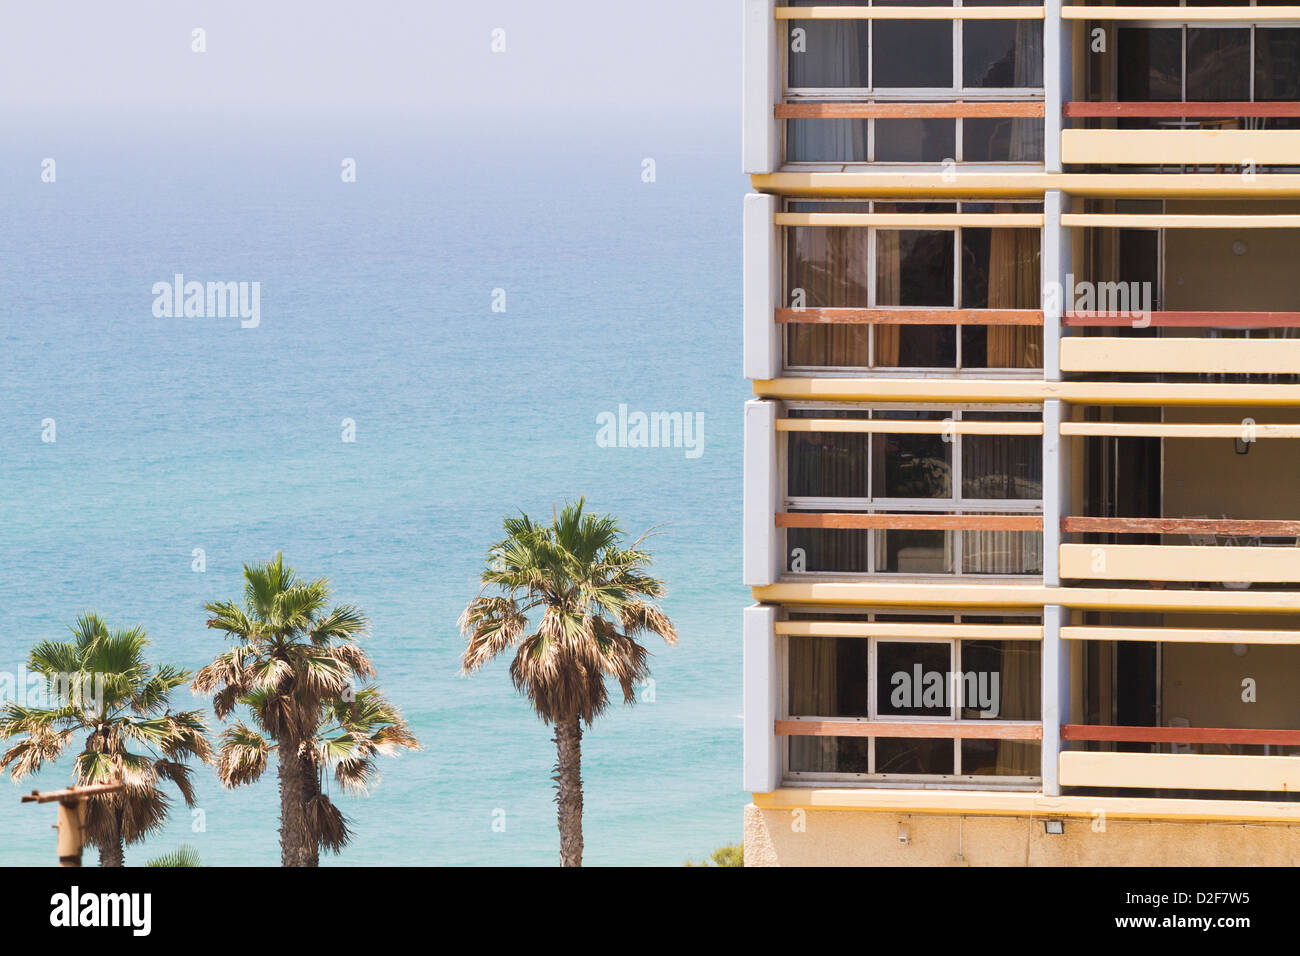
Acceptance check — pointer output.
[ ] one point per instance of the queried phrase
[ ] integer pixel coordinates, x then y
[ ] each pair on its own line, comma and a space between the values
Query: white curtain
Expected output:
1027, 134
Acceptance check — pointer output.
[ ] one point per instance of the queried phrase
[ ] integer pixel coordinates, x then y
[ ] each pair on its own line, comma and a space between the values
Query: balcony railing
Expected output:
1185, 134
1202, 562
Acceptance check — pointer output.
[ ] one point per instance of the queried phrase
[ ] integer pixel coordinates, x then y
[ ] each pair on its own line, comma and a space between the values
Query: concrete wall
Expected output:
1205, 476
1203, 682
870, 838
1202, 271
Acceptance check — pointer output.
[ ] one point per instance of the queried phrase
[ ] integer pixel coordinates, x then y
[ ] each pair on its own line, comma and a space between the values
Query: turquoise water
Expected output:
183, 433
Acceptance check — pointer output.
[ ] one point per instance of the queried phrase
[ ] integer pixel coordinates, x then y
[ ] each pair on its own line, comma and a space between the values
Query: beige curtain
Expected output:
813, 693
1027, 135
990, 469
830, 265
1020, 687
1014, 284
888, 292
1002, 552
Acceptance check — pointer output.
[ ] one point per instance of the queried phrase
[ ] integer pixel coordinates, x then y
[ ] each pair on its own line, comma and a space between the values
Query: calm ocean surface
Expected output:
175, 434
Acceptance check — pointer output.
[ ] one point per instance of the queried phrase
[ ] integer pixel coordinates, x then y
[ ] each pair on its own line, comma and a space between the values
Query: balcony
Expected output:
1187, 89
1243, 561
1183, 290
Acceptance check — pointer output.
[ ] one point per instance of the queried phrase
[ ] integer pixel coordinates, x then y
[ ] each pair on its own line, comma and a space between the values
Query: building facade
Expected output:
1021, 313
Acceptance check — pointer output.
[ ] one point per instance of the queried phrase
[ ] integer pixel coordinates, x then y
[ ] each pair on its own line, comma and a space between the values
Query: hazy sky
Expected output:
333, 53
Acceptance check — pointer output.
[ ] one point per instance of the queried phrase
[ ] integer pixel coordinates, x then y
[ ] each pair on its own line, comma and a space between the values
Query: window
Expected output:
930, 60
1277, 63
950, 267
1209, 64
913, 54
919, 474
907, 679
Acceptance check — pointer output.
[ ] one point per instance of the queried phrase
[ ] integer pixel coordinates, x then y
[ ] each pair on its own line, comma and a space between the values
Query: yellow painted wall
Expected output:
870, 838
1203, 682
1203, 273
1205, 476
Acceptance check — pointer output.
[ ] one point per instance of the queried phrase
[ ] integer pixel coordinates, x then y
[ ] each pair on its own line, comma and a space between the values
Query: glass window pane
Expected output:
826, 266
1150, 64
828, 676
916, 346
913, 53
1001, 758
818, 550
914, 756
836, 345
1005, 140
915, 140
914, 552
914, 267
1002, 53
833, 53
829, 754
1000, 268
1277, 64
826, 140
1218, 64
1002, 552
1002, 467
912, 679
828, 464
912, 466
1000, 679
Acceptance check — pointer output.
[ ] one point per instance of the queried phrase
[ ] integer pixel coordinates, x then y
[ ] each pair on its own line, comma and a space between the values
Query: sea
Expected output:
435, 344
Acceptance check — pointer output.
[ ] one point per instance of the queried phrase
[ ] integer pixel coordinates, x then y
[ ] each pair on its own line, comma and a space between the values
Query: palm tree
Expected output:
99, 683
294, 666
183, 856
589, 593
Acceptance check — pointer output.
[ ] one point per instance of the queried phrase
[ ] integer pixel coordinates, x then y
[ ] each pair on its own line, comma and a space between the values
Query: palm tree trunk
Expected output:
110, 848
568, 786
296, 846
310, 789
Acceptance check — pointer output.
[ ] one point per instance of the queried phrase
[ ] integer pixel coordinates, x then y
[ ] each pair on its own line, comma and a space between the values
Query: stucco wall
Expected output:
870, 838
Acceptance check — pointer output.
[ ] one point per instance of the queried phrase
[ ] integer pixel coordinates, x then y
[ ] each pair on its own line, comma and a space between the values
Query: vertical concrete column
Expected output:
1057, 79
761, 285
762, 756
1056, 653
762, 493
1056, 502
1056, 279
760, 69
1056, 694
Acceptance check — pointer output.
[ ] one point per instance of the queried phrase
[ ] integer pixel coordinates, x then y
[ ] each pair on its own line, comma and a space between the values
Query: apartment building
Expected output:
1021, 301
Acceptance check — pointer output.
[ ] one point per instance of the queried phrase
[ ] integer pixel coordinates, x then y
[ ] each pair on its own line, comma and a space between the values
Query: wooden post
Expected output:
69, 827
72, 816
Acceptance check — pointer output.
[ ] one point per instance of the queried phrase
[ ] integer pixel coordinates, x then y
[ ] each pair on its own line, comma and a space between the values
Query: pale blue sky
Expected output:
370, 53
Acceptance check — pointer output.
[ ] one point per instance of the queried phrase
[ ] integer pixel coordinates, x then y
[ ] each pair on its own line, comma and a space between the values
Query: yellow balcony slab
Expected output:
1179, 771
1156, 562
1009, 803
1181, 635
1196, 146
1115, 354
1180, 14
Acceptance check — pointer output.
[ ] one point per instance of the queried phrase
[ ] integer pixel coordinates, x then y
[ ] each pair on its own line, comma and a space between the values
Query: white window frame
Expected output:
1193, 24
958, 90
919, 371
955, 504
953, 781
